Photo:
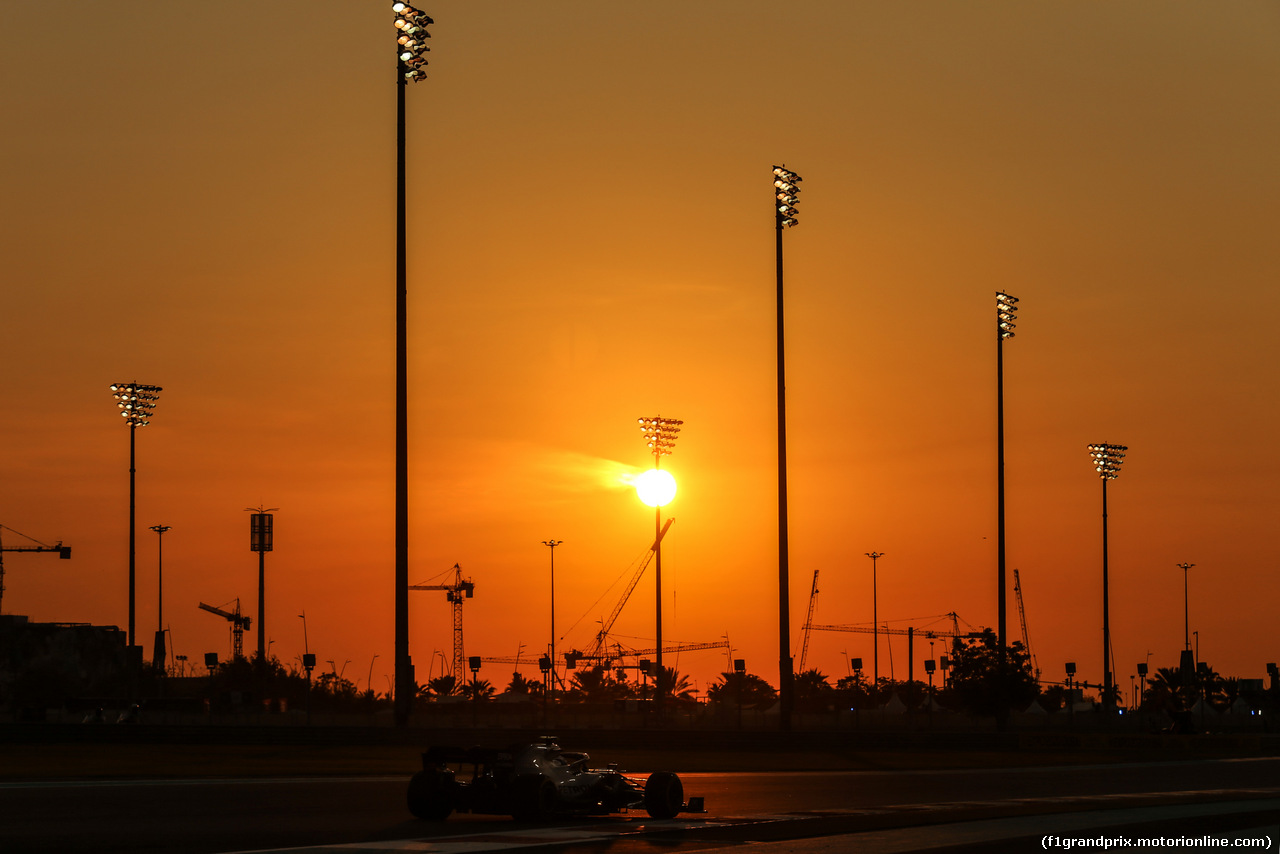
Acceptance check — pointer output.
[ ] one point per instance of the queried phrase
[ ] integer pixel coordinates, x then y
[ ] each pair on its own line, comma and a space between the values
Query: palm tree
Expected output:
675, 686
519, 684
1172, 690
597, 685
478, 690
813, 692
746, 689
441, 686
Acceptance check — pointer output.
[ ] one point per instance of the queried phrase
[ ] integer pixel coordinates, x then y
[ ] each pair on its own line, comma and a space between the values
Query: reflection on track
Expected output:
924, 821
526, 837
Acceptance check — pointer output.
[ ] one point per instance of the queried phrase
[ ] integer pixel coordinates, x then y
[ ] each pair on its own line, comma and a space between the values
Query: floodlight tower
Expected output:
551, 650
411, 65
1006, 313
136, 403
1106, 462
786, 194
660, 434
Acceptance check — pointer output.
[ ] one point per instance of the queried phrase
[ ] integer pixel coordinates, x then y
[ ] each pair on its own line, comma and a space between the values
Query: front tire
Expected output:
430, 795
663, 795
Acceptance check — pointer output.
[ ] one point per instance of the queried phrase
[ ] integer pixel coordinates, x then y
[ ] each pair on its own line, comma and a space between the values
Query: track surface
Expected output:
938, 808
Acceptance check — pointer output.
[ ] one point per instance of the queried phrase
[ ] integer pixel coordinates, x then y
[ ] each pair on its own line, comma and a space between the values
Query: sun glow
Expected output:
655, 487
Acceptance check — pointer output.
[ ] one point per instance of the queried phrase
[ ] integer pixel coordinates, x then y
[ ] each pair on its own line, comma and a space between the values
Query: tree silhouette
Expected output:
855, 691
478, 690
675, 686
1173, 690
598, 685
441, 686
746, 689
519, 684
813, 692
981, 684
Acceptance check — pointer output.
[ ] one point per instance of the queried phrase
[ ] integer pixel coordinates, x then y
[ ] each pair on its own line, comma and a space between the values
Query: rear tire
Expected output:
430, 795
663, 795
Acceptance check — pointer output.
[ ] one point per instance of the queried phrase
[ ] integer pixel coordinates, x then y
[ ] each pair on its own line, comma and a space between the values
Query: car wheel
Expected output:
431, 795
533, 798
663, 795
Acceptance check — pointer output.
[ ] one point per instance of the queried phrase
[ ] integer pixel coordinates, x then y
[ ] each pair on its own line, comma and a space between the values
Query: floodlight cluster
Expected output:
411, 25
1107, 460
660, 433
136, 402
1006, 314
786, 195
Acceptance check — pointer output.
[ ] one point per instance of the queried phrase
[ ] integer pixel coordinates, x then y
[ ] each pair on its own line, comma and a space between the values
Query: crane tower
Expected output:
808, 621
460, 589
239, 625
64, 552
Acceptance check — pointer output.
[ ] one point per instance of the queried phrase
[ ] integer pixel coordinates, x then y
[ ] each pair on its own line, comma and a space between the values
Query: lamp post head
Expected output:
1107, 459
552, 543
875, 555
136, 402
786, 195
660, 434
1006, 314
411, 27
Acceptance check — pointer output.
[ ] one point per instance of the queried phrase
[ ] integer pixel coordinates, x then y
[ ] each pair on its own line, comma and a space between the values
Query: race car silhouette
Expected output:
533, 782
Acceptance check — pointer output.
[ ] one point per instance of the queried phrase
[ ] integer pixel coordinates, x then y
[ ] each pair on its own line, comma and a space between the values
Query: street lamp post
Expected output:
551, 544
136, 403
660, 434
1106, 462
875, 624
411, 35
158, 654
786, 194
1186, 608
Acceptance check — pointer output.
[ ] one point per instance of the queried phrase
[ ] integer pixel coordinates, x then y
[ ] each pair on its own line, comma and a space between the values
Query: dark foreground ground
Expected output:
216, 789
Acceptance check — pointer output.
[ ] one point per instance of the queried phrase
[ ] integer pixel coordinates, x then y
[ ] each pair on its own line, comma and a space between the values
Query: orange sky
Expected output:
202, 197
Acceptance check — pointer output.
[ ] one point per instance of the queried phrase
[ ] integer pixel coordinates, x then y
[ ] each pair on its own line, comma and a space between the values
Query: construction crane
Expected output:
911, 633
607, 659
808, 621
599, 649
517, 660
929, 634
602, 637
239, 625
1022, 617
680, 647
460, 589
64, 553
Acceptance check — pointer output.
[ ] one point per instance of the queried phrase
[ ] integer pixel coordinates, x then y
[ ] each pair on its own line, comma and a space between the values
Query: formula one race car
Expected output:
533, 782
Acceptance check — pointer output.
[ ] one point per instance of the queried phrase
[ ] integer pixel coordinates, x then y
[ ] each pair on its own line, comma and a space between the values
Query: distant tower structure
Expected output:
261, 540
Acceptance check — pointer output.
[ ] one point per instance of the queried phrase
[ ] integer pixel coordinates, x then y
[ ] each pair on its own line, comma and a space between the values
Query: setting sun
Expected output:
656, 487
